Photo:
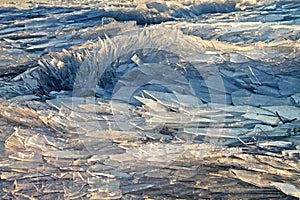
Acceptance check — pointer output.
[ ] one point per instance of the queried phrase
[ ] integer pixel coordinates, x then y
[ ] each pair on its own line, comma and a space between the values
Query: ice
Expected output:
296, 98
261, 100
271, 120
248, 177
217, 133
287, 86
276, 144
287, 188
149, 99
289, 112
137, 187
65, 154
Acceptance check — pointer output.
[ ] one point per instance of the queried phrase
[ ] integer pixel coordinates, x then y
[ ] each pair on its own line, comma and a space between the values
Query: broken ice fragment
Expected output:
136, 60
261, 100
287, 188
134, 188
66, 154
296, 98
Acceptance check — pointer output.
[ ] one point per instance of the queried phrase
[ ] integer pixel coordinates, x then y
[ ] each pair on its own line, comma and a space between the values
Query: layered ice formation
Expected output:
150, 99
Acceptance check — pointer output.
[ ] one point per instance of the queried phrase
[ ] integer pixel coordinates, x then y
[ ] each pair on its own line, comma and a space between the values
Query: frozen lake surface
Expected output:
150, 100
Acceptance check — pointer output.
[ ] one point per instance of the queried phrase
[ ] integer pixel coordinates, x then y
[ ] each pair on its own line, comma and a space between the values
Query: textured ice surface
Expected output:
150, 99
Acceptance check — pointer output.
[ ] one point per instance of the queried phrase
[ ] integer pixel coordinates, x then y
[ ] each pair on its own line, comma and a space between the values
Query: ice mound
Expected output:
201, 101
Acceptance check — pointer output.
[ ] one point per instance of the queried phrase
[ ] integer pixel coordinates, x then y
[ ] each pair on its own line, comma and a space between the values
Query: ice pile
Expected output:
202, 103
